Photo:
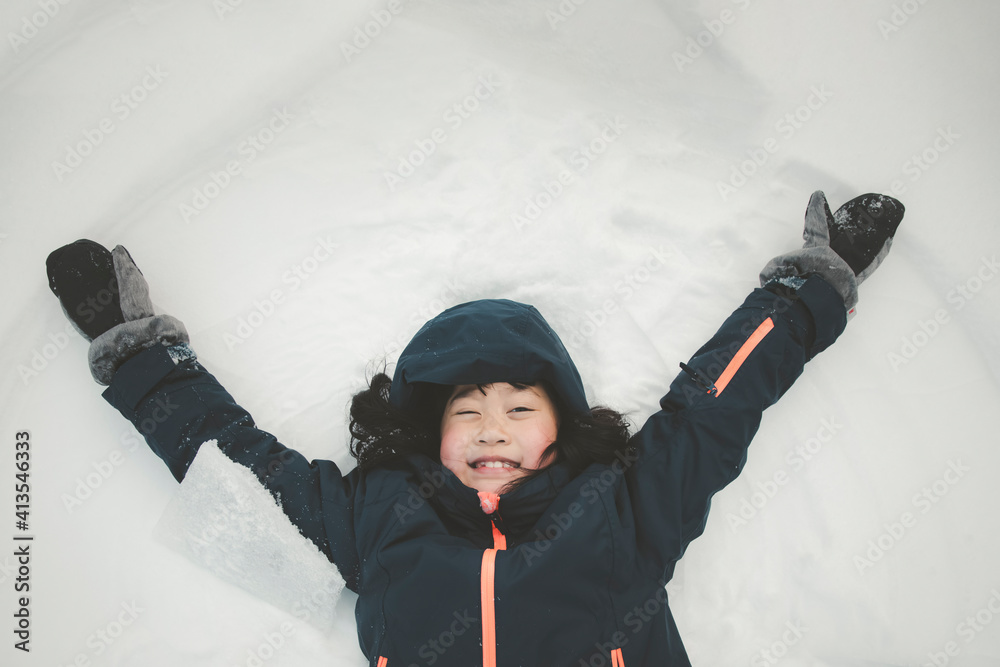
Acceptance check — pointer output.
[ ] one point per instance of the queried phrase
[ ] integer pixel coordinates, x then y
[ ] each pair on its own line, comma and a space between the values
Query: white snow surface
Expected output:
241, 157
226, 521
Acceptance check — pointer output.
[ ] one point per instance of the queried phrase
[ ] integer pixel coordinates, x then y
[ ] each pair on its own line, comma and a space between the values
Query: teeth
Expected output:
495, 464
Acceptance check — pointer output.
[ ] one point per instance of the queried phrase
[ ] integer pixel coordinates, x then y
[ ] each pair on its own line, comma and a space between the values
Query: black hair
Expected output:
381, 432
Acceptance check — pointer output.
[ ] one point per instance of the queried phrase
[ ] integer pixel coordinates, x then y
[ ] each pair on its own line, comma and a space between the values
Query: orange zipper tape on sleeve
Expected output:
382, 662
741, 355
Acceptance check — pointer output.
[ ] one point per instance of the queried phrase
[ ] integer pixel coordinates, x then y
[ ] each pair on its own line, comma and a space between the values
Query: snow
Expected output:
632, 196
226, 521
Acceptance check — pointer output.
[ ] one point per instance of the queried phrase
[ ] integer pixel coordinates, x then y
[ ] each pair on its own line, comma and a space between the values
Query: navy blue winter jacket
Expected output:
577, 575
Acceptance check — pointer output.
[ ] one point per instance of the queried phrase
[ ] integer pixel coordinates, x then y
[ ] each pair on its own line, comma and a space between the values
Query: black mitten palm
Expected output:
106, 297
82, 275
861, 231
845, 247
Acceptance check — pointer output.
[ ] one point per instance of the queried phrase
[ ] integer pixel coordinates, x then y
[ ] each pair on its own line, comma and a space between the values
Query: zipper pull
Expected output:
498, 522
709, 387
490, 504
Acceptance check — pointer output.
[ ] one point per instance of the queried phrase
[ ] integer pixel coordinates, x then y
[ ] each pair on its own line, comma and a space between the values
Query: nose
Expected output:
491, 432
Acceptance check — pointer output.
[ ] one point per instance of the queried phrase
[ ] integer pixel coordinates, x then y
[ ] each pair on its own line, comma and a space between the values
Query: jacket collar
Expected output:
519, 510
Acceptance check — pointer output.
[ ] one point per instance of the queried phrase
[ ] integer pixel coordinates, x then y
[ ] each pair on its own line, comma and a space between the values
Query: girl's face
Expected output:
492, 437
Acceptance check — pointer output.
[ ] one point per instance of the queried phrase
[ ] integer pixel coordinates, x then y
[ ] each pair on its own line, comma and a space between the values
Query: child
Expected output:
494, 518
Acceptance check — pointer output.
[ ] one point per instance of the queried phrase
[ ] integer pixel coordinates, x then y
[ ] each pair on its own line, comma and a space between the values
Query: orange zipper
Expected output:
616, 658
741, 355
382, 662
490, 503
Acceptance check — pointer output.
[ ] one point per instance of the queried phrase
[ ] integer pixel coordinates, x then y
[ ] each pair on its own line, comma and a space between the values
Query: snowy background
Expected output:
304, 195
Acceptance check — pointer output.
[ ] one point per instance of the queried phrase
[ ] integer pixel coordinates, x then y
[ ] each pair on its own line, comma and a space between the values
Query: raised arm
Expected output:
697, 442
156, 382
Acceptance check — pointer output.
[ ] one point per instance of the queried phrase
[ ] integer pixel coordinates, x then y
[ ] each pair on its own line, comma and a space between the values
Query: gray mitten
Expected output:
142, 328
106, 298
843, 248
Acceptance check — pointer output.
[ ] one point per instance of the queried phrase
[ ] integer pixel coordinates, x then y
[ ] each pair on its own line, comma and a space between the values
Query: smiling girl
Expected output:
493, 434
549, 526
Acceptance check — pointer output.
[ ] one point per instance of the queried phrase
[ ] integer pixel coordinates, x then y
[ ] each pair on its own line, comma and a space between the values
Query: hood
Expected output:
490, 340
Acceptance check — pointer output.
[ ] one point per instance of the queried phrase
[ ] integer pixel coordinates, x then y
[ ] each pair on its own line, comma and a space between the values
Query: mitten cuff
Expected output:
819, 260
120, 343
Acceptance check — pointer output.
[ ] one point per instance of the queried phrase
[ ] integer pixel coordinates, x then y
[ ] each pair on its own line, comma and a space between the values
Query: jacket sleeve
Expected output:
697, 442
177, 407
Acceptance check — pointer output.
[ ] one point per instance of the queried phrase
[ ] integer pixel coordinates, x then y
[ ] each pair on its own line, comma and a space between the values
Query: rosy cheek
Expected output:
546, 437
450, 447
452, 462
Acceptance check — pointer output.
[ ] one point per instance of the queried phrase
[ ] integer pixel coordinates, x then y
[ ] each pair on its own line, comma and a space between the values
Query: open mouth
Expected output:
494, 463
